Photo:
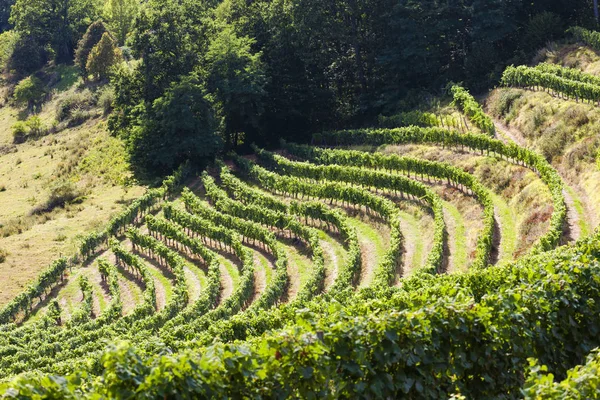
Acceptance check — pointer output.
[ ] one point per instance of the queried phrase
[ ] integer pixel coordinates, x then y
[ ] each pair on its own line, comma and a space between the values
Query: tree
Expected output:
120, 14
55, 23
27, 56
30, 91
90, 39
179, 126
103, 57
236, 77
5, 6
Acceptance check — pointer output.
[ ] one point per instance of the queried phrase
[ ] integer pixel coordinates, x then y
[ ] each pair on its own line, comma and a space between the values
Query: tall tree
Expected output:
90, 39
236, 77
103, 57
120, 15
57, 23
179, 126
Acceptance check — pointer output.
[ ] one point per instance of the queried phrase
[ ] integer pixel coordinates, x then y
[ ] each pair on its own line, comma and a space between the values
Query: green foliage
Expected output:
30, 91
32, 128
103, 57
582, 382
27, 55
579, 88
120, 15
468, 105
106, 98
8, 43
62, 192
180, 126
482, 143
541, 29
19, 132
69, 103
591, 38
235, 77
58, 24
90, 39
36, 126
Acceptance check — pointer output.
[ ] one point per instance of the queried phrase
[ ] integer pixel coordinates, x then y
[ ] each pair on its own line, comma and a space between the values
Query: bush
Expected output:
35, 125
29, 91
62, 192
505, 100
106, 99
67, 105
3, 255
79, 116
542, 28
19, 132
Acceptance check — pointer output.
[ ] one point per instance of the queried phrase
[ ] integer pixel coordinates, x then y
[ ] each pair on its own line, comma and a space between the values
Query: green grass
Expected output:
377, 245
68, 76
458, 242
339, 251
413, 233
162, 279
301, 262
232, 270
508, 229
263, 264
584, 225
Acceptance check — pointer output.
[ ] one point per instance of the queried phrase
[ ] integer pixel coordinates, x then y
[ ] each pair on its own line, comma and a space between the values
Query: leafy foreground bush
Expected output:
471, 333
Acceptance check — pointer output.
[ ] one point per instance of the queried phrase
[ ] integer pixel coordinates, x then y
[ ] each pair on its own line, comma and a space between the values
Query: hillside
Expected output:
299, 199
83, 159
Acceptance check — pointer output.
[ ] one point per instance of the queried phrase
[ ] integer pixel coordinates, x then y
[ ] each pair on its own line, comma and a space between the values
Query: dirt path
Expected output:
509, 134
572, 231
331, 263
456, 258
373, 246
412, 246
293, 279
260, 276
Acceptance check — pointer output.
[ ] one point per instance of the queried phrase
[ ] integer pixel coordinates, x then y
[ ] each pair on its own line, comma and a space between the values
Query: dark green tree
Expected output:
92, 36
103, 57
55, 23
235, 76
179, 126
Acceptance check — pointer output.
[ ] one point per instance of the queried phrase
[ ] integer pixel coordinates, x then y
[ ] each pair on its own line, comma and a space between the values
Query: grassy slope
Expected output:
86, 156
566, 132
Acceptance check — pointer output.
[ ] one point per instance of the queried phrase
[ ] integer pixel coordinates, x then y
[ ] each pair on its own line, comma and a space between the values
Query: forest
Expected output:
259, 71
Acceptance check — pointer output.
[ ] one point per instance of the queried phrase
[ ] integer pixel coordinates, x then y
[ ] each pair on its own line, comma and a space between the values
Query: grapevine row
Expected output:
463, 100
436, 136
416, 166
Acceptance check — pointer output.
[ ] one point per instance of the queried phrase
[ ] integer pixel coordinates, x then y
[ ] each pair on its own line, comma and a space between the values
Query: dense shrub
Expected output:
30, 91
8, 42
19, 132
73, 101
106, 98
62, 193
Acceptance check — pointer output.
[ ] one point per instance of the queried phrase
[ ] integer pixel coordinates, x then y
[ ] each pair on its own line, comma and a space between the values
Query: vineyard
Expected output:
340, 269
436, 255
